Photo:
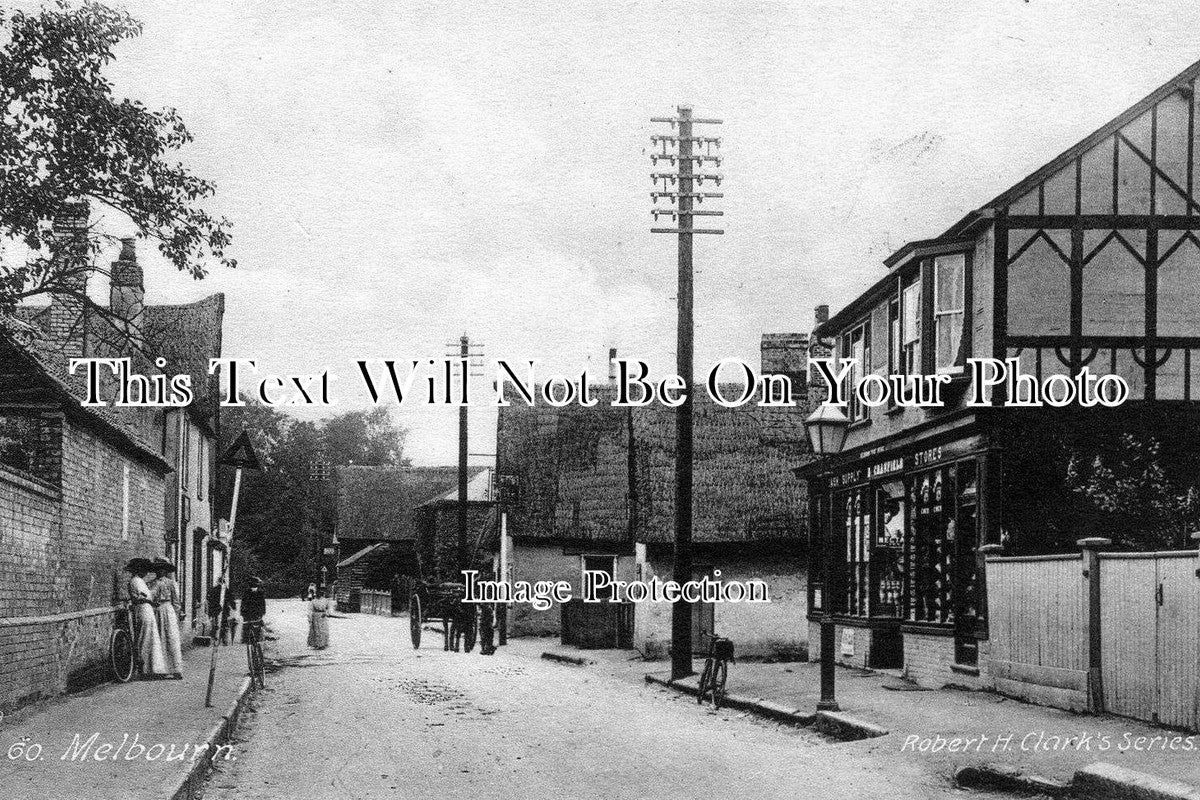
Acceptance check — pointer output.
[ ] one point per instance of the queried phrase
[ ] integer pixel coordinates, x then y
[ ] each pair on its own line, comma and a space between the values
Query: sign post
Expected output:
240, 456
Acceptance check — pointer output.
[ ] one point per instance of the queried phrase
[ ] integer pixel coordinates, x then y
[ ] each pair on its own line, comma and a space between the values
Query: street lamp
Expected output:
827, 433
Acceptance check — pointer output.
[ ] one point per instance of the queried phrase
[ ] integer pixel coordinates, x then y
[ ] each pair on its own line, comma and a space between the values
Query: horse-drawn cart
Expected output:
430, 602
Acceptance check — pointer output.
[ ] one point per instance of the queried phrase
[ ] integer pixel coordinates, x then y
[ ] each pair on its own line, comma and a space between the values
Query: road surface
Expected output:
372, 718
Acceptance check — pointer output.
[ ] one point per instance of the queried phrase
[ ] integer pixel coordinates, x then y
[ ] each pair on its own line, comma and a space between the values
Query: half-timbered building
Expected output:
1091, 262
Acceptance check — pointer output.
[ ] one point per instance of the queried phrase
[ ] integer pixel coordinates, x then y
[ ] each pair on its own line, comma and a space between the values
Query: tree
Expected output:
65, 137
1146, 498
283, 514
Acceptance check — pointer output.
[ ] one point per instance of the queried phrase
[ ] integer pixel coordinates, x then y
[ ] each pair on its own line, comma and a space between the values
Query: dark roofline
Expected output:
109, 431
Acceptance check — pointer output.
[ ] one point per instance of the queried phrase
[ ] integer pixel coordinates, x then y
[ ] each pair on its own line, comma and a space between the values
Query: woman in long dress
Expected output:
166, 612
149, 645
318, 624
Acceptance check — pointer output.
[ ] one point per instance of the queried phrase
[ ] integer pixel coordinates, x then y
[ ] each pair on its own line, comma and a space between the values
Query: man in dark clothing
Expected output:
254, 608
216, 619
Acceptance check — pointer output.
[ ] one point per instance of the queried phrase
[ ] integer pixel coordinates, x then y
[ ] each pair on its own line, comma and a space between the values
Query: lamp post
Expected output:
826, 429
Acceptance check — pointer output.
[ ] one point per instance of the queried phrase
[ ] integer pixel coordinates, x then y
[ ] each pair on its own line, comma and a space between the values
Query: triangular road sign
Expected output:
241, 454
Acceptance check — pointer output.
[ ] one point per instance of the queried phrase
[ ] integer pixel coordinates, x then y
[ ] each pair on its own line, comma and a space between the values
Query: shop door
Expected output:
966, 569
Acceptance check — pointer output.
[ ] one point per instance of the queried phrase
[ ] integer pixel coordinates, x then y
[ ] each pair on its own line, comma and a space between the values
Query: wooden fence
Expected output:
375, 602
1123, 637
1037, 623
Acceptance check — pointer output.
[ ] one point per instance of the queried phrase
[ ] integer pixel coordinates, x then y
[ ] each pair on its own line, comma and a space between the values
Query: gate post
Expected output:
1091, 573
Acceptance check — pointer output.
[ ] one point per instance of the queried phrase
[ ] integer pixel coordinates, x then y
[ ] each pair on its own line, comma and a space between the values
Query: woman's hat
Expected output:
137, 565
161, 565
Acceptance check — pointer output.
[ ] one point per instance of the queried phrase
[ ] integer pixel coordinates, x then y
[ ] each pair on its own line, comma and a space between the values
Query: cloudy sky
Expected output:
399, 173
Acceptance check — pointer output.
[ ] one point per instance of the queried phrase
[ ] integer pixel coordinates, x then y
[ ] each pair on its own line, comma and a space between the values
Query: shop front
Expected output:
898, 563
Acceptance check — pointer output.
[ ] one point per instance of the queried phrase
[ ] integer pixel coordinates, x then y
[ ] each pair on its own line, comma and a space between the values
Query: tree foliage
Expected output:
283, 514
65, 137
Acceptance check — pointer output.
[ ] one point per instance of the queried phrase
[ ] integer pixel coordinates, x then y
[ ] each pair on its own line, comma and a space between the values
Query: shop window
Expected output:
855, 509
930, 549
948, 314
888, 557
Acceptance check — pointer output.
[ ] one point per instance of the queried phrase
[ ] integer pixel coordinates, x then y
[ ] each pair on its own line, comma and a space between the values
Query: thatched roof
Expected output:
605, 473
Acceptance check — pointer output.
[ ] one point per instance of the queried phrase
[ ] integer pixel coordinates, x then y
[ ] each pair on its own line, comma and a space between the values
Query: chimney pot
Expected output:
822, 314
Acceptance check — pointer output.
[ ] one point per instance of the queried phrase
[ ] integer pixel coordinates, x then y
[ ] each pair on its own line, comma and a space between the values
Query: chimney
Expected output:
126, 292
612, 366
818, 348
68, 328
785, 354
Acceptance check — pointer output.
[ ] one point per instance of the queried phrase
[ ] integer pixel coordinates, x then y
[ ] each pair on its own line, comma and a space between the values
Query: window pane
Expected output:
948, 277
911, 323
949, 336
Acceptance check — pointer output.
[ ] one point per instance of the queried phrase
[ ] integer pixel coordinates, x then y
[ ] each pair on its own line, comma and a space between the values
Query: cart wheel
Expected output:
414, 620
471, 630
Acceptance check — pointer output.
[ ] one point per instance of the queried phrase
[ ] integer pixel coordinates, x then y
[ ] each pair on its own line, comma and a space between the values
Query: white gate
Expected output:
1149, 633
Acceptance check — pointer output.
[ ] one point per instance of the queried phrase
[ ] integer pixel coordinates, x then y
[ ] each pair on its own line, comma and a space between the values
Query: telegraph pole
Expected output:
682, 151
465, 355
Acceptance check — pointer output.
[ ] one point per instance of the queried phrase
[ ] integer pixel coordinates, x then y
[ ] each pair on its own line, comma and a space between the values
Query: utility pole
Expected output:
466, 356
682, 150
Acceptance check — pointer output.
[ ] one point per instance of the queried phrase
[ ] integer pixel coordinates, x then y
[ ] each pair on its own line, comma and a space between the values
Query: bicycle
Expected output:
255, 661
716, 671
122, 656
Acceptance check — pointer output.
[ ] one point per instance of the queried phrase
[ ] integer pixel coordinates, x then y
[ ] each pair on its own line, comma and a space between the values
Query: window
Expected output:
855, 510
948, 273
18, 442
857, 345
201, 467
910, 328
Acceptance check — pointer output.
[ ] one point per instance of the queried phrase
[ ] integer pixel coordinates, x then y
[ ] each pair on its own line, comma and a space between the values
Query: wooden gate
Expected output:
1149, 632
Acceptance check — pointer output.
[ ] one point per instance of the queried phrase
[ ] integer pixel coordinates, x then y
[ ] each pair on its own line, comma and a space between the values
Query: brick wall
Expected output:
929, 661
62, 547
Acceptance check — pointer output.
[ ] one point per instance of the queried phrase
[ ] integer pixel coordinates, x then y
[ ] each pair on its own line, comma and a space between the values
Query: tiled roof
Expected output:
188, 336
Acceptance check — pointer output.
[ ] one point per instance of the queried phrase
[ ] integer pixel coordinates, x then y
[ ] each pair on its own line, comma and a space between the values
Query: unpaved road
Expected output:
372, 718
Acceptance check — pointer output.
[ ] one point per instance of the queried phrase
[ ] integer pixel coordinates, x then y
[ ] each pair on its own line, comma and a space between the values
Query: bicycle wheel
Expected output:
705, 680
120, 655
414, 620
720, 673
260, 665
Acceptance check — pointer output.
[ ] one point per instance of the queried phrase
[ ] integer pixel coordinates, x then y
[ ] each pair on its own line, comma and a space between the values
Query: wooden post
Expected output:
216, 639
1091, 573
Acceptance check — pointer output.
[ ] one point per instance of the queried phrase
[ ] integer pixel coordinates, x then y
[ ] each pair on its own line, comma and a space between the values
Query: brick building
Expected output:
82, 489
595, 490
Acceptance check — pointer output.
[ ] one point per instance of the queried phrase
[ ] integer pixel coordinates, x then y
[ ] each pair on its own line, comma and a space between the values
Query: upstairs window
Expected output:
948, 274
910, 328
856, 344
18, 442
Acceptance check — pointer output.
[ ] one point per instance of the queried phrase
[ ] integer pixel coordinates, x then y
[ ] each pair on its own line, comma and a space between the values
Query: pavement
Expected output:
945, 730
371, 717
143, 740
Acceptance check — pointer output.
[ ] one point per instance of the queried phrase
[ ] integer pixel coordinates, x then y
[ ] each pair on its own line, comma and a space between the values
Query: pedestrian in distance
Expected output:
168, 609
254, 609
318, 621
141, 599
310, 593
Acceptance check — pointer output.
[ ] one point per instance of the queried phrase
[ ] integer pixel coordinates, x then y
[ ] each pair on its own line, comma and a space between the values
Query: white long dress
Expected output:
149, 644
166, 611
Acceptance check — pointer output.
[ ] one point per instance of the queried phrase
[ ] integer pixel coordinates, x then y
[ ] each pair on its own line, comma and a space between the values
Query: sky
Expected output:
399, 173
